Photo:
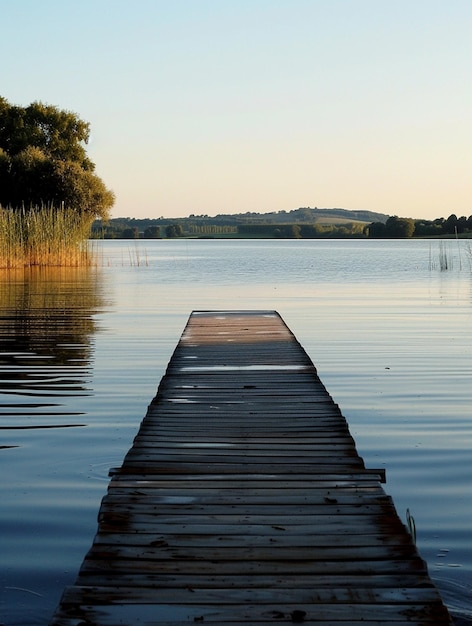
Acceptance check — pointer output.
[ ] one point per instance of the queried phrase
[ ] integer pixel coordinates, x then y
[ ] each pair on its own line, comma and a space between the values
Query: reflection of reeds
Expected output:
468, 253
44, 236
135, 258
444, 257
49, 311
444, 262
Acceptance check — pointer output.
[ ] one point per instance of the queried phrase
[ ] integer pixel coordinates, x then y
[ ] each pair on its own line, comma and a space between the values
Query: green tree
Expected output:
399, 227
462, 224
152, 232
427, 228
43, 161
376, 230
130, 233
450, 224
174, 230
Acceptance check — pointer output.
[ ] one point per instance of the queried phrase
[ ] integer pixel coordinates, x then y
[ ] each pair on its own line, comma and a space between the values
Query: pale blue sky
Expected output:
217, 106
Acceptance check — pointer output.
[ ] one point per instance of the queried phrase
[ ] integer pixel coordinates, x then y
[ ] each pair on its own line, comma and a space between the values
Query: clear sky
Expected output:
224, 106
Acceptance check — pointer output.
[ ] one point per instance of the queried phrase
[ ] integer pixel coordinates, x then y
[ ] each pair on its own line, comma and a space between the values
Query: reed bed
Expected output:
44, 236
445, 258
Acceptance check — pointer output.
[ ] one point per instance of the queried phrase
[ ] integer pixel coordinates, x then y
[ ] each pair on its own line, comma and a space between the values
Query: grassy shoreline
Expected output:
44, 236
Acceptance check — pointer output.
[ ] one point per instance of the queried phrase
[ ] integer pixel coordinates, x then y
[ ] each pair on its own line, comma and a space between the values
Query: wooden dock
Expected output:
243, 500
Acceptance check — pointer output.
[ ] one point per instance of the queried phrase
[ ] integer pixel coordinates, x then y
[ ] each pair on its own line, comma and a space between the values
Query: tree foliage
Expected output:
130, 233
259, 225
152, 232
43, 160
400, 227
174, 230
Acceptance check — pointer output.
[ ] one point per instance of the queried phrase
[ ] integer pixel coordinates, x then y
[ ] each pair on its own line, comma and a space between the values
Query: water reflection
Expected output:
48, 326
46, 344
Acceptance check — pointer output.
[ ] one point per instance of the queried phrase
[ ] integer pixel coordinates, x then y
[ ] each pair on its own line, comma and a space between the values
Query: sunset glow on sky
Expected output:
228, 106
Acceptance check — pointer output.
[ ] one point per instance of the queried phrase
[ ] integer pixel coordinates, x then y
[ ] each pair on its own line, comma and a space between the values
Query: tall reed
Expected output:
445, 258
44, 236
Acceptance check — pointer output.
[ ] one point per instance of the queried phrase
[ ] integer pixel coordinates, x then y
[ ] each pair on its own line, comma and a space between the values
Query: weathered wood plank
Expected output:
333, 455
142, 510
252, 568
327, 614
274, 468
287, 556
397, 595
321, 500
300, 536
347, 480
276, 582
325, 524
243, 500
338, 483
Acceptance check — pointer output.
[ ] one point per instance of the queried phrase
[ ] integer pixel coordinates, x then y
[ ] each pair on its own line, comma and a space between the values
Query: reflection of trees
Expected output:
46, 315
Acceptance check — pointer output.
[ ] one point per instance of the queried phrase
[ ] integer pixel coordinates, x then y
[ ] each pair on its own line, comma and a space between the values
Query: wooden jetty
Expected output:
243, 500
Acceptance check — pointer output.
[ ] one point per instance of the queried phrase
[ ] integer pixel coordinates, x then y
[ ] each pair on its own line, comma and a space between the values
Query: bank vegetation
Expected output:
302, 223
49, 191
44, 236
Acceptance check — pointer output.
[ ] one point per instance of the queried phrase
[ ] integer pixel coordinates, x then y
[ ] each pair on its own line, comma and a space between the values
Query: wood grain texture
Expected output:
243, 500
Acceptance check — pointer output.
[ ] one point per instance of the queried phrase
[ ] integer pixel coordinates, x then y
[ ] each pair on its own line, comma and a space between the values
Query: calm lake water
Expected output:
82, 353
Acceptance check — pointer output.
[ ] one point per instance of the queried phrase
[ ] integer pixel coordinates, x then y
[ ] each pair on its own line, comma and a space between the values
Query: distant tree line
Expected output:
302, 231
401, 227
259, 226
129, 229
275, 224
